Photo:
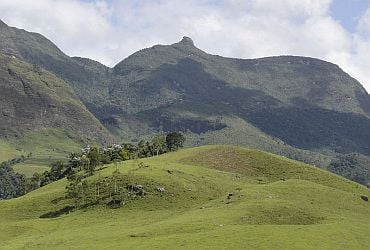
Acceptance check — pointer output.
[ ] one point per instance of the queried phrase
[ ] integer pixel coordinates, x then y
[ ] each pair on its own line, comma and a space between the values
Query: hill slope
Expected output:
34, 99
40, 113
87, 77
309, 209
302, 108
305, 102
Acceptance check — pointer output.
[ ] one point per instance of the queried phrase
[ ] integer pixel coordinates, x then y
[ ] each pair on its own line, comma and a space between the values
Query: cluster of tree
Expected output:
11, 183
91, 157
17, 160
56, 172
113, 190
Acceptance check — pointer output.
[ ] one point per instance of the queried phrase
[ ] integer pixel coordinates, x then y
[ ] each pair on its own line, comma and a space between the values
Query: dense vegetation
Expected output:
11, 184
83, 164
353, 166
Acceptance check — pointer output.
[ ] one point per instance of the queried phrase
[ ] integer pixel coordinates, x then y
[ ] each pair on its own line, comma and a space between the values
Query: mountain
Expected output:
269, 93
215, 197
34, 99
294, 81
303, 108
86, 76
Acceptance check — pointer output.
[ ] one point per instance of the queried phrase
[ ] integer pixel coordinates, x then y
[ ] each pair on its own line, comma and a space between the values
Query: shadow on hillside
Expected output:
313, 127
57, 200
300, 122
57, 213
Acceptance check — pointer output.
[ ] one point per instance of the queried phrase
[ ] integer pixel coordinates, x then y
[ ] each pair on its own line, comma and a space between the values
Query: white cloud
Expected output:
358, 63
110, 31
78, 28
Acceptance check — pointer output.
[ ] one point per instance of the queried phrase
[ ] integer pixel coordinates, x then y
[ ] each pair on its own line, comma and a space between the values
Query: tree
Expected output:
143, 149
95, 161
175, 140
124, 155
57, 170
75, 188
33, 182
159, 144
141, 144
11, 184
85, 163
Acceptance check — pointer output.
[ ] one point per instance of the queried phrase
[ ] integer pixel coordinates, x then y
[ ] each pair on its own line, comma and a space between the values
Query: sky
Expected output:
110, 30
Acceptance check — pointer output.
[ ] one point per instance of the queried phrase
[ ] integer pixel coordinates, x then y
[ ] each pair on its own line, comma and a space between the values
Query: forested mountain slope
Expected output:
303, 108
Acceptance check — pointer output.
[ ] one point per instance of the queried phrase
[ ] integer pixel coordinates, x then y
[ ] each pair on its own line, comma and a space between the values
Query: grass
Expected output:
7, 152
29, 169
309, 209
45, 147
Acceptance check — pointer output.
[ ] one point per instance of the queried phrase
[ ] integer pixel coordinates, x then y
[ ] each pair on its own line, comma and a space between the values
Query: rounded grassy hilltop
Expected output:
216, 197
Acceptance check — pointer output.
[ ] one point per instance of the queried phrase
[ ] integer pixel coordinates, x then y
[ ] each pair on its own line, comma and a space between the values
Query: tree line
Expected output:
87, 161
12, 184
113, 190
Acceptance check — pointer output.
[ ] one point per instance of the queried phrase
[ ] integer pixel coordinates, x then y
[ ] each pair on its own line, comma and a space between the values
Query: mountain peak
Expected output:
187, 41
2, 24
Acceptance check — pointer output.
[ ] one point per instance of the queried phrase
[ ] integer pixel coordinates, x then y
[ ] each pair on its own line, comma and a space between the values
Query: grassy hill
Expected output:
303, 108
45, 147
276, 203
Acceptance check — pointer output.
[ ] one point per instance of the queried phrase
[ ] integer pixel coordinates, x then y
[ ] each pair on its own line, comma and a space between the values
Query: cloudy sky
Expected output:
110, 30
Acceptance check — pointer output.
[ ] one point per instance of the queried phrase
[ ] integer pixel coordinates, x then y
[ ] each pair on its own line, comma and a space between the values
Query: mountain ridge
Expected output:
301, 107
34, 99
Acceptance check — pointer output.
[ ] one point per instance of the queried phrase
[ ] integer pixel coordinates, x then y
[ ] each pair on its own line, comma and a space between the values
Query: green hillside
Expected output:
45, 147
274, 203
303, 108
41, 116
306, 103
7, 151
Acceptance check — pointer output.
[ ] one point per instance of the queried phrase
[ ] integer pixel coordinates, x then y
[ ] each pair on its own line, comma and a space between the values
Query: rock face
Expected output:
307, 103
3, 25
303, 108
34, 99
187, 41
89, 78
